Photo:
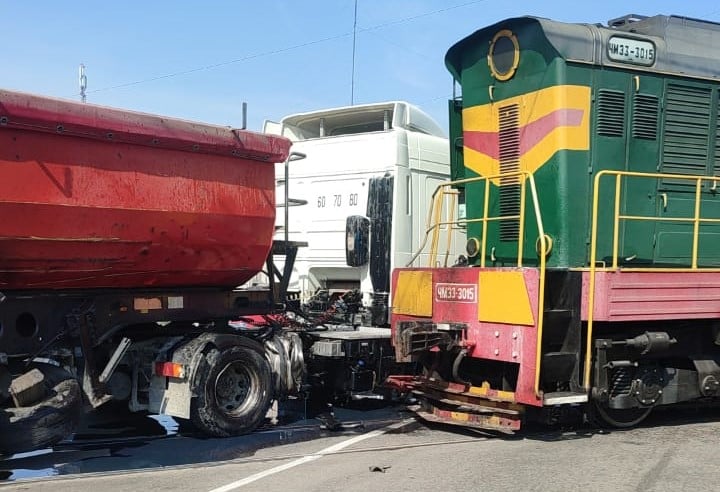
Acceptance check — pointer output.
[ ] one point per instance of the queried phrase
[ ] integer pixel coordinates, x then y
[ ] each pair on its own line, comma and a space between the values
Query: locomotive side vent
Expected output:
509, 142
611, 113
687, 131
716, 167
645, 117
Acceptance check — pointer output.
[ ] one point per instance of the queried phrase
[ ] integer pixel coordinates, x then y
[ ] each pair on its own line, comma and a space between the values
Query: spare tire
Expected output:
234, 388
47, 422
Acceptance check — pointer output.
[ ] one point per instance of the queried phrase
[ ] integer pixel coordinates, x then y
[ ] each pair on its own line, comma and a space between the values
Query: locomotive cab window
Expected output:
504, 55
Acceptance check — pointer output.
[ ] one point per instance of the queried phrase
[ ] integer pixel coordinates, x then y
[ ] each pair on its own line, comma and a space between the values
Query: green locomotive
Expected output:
584, 160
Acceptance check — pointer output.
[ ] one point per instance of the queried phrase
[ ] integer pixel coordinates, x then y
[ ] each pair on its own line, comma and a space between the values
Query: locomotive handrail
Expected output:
433, 224
696, 220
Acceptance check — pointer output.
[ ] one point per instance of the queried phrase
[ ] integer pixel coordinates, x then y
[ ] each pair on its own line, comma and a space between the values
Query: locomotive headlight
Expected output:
504, 55
472, 247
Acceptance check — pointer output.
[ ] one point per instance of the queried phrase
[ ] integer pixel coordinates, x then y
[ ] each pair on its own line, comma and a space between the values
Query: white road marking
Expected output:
311, 457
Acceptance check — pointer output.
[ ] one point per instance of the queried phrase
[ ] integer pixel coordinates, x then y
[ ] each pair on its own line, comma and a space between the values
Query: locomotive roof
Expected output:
683, 45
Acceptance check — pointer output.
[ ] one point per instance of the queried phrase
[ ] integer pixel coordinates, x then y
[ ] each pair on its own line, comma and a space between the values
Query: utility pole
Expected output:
352, 78
83, 82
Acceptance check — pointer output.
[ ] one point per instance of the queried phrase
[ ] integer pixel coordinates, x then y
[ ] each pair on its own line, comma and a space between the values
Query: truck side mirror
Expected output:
357, 235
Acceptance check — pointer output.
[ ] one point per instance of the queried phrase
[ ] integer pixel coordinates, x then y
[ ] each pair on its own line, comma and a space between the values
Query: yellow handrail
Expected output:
434, 224
696, 220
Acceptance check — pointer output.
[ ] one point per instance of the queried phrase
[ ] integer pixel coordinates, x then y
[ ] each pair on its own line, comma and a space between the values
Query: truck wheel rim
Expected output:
232, 387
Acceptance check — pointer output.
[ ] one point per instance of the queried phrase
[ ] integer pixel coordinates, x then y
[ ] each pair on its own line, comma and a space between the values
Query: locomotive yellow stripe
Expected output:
532, 108
482, 164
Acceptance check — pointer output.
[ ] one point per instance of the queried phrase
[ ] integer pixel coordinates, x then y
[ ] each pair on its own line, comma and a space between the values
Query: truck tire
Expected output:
234, 388
47, 422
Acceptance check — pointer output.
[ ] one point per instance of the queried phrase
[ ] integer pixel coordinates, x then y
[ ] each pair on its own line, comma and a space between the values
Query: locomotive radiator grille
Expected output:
509, 152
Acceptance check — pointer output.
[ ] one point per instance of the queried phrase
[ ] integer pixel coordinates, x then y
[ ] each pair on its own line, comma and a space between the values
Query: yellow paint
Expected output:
460, 416
413, 293
503, 298
482, 164
484, 390
532, 106
506, 395
481, 390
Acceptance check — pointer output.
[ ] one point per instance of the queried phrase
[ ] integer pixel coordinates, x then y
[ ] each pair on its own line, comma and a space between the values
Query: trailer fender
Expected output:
173, 395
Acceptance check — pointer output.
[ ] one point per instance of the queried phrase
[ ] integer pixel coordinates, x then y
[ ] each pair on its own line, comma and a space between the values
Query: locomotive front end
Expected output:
585, 174
521, 132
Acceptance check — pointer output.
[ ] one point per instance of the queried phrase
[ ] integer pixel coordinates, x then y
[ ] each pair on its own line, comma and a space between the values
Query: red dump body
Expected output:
93, 197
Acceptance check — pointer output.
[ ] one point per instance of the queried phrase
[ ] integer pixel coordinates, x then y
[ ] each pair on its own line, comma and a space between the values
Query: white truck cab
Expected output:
379, 161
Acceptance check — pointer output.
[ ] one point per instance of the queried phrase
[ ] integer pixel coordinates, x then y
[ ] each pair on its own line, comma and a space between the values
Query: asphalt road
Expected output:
676, 451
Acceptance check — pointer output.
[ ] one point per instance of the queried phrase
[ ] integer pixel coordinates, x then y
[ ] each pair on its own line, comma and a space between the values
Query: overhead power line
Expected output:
285, 49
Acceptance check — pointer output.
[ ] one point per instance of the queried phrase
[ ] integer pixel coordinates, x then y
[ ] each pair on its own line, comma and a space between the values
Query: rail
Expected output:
434, 224
697, 220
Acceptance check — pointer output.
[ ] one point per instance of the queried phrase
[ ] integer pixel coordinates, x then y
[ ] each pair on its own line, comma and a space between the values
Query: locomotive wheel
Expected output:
48, 421
234, 391
617, 418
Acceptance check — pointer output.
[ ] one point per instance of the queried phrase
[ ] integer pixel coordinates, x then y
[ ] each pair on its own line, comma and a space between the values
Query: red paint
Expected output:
533, 133
639, 296
120, 199
486, 143
402, 383
492, 341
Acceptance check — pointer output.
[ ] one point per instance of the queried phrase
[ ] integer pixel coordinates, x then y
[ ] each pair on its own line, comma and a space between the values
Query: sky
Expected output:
201, 60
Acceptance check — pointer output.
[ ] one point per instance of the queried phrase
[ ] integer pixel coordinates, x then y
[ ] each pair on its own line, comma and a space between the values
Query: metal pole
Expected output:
352, 78
83, 82
287, 199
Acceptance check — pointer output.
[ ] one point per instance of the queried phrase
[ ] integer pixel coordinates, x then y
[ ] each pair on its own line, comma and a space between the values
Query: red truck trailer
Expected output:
123, 239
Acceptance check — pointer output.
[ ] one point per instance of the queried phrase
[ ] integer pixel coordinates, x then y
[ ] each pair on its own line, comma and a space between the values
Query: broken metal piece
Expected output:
27, 389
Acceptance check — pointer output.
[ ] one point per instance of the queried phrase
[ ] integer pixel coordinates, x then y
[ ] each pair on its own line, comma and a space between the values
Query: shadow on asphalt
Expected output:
106, 444
145, 443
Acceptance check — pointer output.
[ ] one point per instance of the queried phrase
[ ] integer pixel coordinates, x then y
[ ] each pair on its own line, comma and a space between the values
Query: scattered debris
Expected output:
380, 469
328, 420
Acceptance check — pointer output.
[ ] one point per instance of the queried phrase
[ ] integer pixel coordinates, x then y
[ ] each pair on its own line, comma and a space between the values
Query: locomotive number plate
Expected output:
628, 50
456, 292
